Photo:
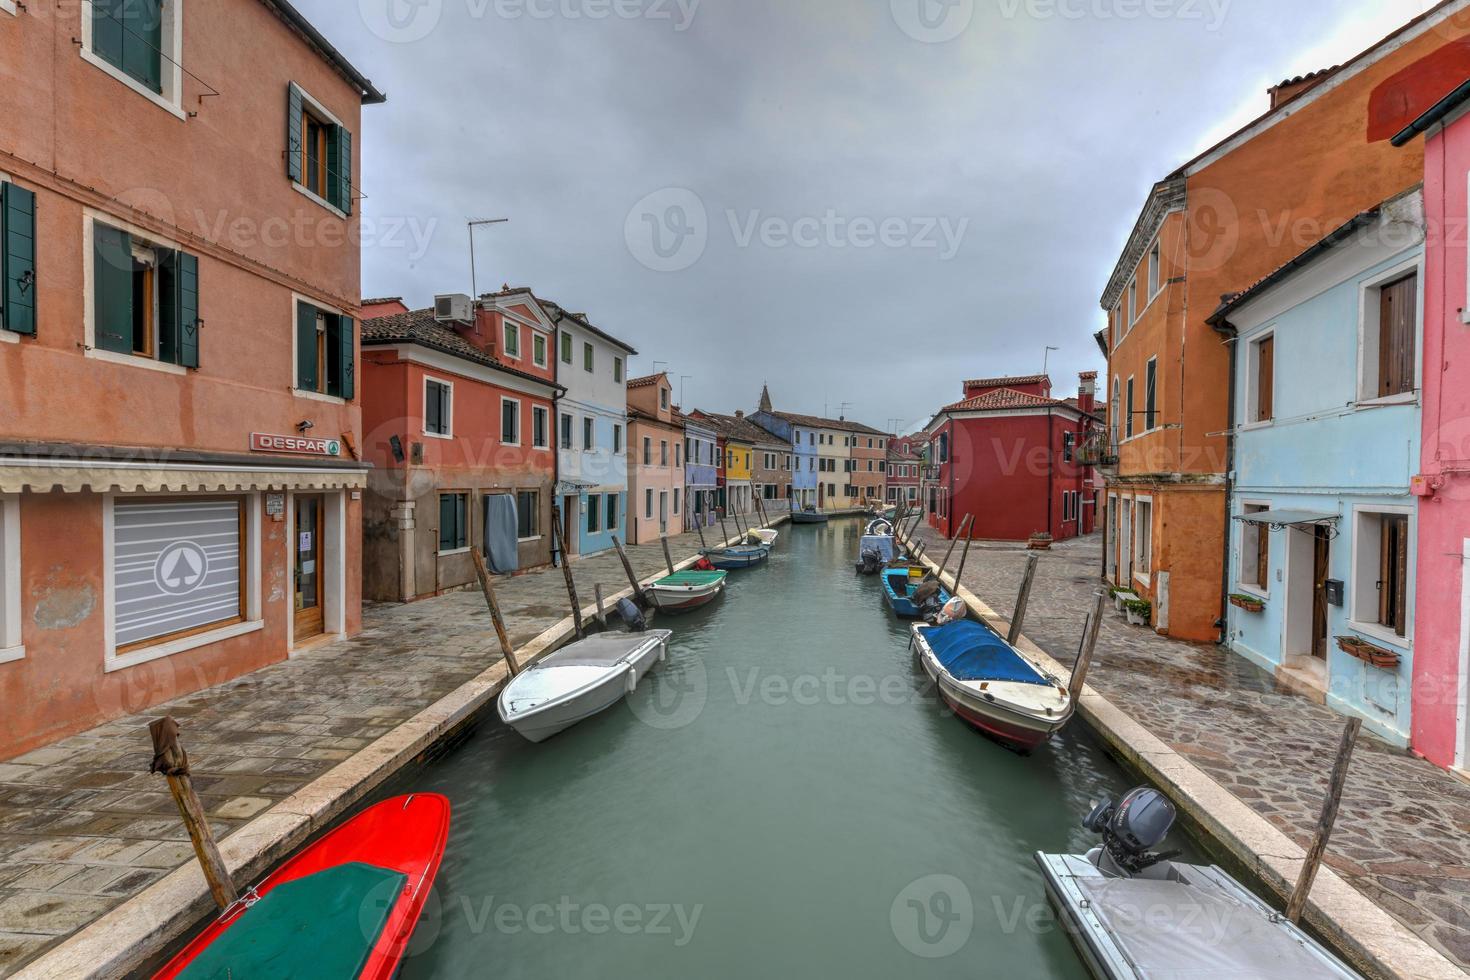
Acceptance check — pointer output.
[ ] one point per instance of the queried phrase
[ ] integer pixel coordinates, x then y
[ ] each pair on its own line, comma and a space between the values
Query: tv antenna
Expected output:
473, 224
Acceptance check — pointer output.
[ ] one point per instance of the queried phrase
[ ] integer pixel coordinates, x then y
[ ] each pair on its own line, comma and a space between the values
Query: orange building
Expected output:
179, 497
1224, 220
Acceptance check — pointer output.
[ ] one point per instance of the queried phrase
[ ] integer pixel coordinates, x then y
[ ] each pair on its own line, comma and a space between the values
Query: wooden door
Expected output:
1322, 552
307, 547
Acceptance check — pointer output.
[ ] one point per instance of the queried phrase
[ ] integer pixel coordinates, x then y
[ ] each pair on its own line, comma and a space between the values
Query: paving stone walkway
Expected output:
1403, 834
83, 826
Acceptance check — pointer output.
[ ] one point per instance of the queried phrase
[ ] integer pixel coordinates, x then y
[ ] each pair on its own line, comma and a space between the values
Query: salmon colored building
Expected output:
457, 412
179, 498
905, 462
1212, 228
869, 465
656, 461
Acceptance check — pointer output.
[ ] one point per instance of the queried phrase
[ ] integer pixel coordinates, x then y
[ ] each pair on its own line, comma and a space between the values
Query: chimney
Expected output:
740, 413
1292, 87
1087, 391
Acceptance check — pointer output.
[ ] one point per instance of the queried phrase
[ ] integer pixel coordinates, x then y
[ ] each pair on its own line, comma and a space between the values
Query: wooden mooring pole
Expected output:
638, 595
1298, 903
170, 759
964, 557
1018, 618
1085, 652
964, 526
566, 569
668, 558
601, 608
482, 572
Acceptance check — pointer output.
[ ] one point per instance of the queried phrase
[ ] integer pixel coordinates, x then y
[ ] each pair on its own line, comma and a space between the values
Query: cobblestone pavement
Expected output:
83, 826
1403, 834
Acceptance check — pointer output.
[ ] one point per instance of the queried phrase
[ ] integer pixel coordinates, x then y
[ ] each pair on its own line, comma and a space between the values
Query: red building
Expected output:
457, 418
1009, 455
904, 469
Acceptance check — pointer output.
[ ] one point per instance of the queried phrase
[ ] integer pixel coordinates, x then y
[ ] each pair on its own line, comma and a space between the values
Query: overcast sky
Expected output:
855, 201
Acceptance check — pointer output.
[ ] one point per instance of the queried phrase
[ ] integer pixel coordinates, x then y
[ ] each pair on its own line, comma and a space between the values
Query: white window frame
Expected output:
1133, 311
515, 496
252, 620
326, 115
663, 398
1143, 564
589, 434
469, 521
1130, 409
170, 74
505, 333
1368, 323
544, 414
1251, 389
1361, 591
11, 646
545, 359
424, 419
1263, 590
1155, 274
317, 396
520, 422
89, 293
1151, 414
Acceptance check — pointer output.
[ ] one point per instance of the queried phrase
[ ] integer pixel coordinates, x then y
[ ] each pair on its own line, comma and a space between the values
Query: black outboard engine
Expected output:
632, 616
1130, 828
872, 562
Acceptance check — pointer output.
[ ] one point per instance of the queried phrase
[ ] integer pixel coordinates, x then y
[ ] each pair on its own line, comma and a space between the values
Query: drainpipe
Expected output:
1050, 467
1227, 331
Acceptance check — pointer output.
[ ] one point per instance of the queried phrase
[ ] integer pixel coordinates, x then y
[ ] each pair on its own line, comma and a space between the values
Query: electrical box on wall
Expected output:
1335, 591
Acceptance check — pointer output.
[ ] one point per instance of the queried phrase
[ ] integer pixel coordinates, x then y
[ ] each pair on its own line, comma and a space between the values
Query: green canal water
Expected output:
784, 797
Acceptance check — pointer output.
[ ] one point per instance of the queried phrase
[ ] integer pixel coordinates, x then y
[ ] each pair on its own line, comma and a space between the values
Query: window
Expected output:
528, 514
1115, 414
1069, 446
539, 416
648, 504
1155, 280
1261, 395
326, 356
588, 358
145, 298
1391, 344
588, 442
318, 151
594, 513
510, 421
663, 452
454, 527
1143, 538
438, 408
1150, 394
1382, 556
538, 349
1255, 552
128, 34
617, 438
512, 340
179, 568
10, 636
17, 259
663, 398
1133, 309
566, 432
1129, 416
676, 500
612, 511
647, 451
566, 348
618, 370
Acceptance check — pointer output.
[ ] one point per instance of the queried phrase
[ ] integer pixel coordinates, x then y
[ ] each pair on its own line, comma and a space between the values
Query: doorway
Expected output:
1321, 555
1125, 544
308, 621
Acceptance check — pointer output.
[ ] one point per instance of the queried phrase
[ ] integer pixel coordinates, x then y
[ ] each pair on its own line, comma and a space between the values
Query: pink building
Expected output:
1441, 714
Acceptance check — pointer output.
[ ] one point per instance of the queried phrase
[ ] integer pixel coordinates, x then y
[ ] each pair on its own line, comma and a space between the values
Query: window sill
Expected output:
7, 337
1253, 426
446, 436
8, 6
183, 645
317, 396
1408, 398
137, 361
1147, 580
10, 655
108, 68
1380, 634
528, 540
454, 554
307, 192
1252, 590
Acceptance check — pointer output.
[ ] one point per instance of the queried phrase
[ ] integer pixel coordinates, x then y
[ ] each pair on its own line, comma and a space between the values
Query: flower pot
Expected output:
1136, 619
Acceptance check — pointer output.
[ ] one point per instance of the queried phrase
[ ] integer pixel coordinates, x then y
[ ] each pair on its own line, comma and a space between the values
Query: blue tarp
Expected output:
502, 549
970, 652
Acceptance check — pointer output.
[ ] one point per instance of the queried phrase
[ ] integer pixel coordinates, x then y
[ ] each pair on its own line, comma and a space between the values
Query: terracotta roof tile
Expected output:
1002, 398
817, 422
419, 327
644, 382
1025, 379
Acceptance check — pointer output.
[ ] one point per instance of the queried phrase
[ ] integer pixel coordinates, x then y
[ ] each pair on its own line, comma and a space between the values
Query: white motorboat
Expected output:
766, 536
579, 681
1134, 914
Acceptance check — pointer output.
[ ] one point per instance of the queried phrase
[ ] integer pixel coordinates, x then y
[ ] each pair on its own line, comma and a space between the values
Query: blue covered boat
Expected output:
900, 587
735, 558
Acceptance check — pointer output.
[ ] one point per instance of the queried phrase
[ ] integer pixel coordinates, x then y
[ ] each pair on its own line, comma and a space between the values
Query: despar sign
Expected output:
264, 442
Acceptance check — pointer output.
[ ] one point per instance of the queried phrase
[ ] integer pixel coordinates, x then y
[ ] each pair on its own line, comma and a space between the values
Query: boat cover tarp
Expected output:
323, 925
1170, 930
970, 652
686, 579
603, 650
881, 543
502, 547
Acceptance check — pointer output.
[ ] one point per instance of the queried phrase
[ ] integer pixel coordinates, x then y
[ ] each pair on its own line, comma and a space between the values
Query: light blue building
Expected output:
1326, 431
591, 433
803, 439
701, 474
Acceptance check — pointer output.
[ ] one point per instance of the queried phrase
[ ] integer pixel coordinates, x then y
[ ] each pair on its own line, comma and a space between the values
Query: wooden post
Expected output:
964, 557
1089, 646
482, 572
566, 568
668, 558
724, 532
638, 595
699, 526
601, 609
964, 526
1298, 903
170, 759
1018, 618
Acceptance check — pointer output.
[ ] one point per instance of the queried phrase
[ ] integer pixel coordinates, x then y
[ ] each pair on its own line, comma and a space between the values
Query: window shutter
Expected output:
178, 307
347, 357
18, 259
107, 30
142, 41
112, 296
306, 364
339, 166
294, 136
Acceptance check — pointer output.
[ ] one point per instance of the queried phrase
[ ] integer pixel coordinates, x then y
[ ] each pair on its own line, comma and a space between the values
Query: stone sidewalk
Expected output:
1403, 833
83, 826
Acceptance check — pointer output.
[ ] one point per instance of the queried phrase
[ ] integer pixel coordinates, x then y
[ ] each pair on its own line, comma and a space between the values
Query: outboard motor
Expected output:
632, 616
1129, 829
872, 562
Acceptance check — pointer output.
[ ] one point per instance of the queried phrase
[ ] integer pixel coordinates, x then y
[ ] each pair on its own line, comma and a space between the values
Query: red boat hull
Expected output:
406, 834
1017, 736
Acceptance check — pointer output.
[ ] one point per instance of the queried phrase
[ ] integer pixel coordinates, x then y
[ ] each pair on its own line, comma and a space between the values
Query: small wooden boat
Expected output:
765, 536
899, 586
344, 906
1199, 921
684, 591
737, 557
579, 681
990, 685
809, 515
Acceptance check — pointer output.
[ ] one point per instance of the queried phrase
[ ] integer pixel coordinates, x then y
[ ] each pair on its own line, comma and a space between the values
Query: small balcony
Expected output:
1099, 450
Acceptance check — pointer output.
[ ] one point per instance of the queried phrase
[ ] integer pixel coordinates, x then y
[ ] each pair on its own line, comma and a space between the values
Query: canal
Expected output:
783, 797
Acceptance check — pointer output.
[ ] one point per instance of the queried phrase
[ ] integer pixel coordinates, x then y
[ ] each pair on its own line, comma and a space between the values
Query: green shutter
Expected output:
107, 30
294, 135
178, 309
340, 155
18, 259
347, 357
112, 294
306, 366
142, 41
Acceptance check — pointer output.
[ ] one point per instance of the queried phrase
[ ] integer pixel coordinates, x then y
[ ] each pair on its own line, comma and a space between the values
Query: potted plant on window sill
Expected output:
1139, 611
1375, 656
1041, 541
1250, 603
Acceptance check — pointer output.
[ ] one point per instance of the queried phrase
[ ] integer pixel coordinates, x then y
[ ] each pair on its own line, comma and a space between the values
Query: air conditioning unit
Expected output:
454, 308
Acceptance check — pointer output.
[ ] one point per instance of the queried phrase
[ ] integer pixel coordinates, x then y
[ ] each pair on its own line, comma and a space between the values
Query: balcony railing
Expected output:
1098, 450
